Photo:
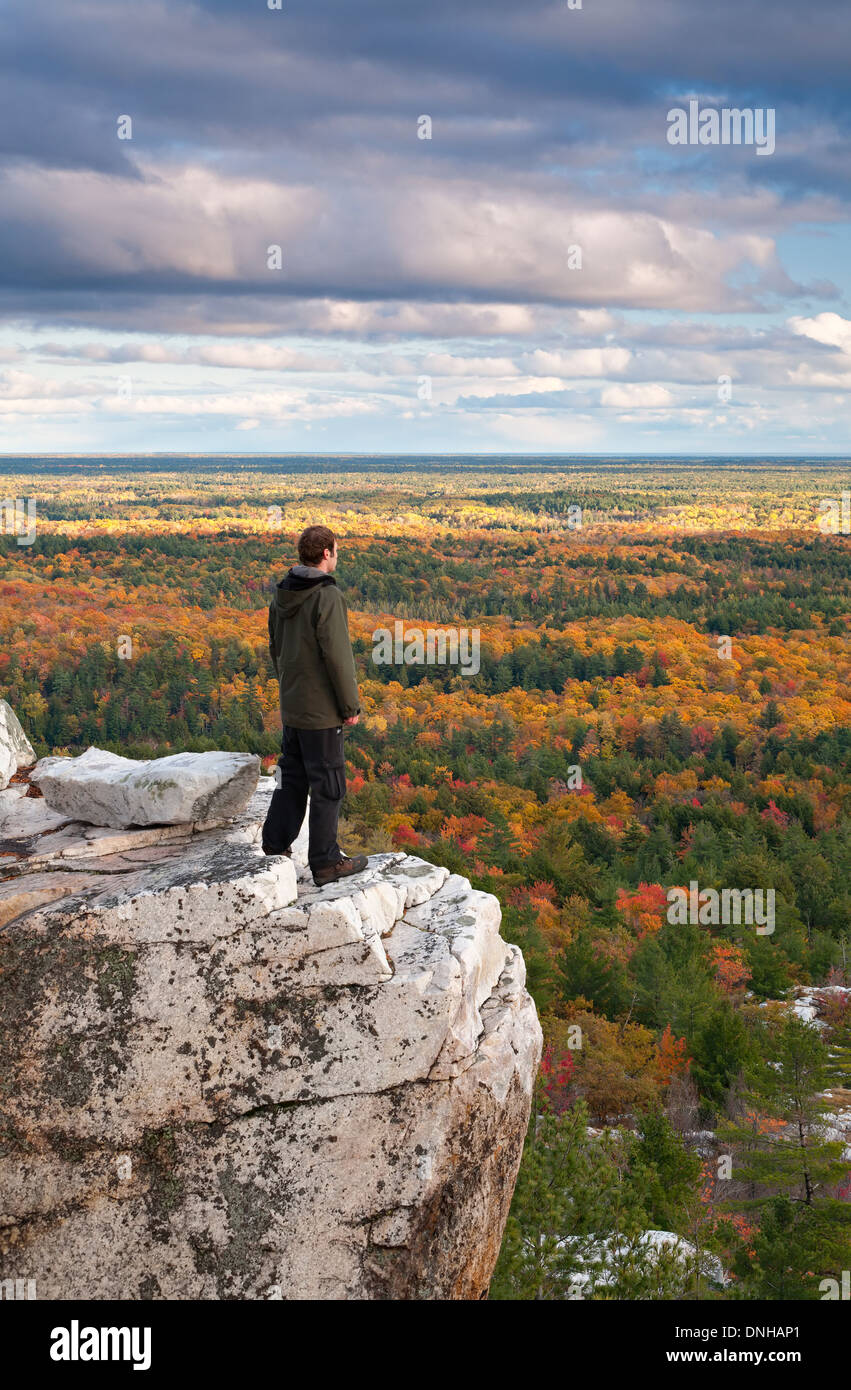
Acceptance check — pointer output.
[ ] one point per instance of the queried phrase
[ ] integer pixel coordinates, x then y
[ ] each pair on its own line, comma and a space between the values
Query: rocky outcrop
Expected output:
220, 1082
16, 751
104, 789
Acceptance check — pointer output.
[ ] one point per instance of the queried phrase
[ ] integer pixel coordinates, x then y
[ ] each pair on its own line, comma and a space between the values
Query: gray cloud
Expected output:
253, 127
534, 94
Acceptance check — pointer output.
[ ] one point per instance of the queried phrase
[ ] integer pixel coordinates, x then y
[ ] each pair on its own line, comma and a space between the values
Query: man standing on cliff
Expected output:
312, 656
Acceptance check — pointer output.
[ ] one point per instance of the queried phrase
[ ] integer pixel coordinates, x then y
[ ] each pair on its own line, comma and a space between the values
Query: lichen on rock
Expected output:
219, 1082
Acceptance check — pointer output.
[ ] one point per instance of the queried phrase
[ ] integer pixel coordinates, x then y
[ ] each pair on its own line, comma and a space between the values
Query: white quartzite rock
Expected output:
217, 1082
105, 789
16, 751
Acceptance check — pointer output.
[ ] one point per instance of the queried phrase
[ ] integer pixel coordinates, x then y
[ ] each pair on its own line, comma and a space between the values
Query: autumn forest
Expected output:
662, 699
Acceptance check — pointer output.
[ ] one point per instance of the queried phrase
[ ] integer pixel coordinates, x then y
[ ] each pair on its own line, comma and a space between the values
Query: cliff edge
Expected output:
219, 1082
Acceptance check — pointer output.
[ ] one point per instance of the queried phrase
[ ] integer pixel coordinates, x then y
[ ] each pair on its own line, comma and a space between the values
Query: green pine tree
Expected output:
790, 1169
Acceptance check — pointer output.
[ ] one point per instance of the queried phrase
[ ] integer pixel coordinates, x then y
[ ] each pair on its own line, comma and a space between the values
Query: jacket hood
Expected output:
294, 588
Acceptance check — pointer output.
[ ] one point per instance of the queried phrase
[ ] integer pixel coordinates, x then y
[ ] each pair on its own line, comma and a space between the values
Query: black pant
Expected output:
311, 760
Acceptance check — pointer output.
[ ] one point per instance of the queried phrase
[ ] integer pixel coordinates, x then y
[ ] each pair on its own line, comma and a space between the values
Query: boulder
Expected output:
104, 789
220, 1082
16, 751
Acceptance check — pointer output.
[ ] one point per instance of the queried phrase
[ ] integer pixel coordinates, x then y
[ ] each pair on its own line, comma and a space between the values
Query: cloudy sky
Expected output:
545, 273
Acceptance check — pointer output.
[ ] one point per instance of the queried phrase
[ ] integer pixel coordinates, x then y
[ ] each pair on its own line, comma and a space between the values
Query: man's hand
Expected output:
353, 719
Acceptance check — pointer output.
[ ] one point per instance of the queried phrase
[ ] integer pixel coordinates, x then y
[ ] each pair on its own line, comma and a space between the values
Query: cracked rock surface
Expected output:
220, 1082
16, 751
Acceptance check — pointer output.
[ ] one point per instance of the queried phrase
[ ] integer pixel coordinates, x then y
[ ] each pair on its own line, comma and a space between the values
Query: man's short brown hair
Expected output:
313, 542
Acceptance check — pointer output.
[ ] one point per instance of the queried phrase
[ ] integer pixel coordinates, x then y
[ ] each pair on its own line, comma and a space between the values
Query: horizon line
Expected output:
393, 453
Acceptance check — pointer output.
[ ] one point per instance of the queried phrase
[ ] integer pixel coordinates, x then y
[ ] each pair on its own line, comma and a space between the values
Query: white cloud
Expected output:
252, 356
636, 395
38, 406
562, 434
581, 362
252, 405
828, 328
15, 385
446, 364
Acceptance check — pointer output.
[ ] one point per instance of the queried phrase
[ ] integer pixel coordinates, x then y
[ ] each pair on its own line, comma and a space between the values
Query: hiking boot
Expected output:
267, 849
344, 868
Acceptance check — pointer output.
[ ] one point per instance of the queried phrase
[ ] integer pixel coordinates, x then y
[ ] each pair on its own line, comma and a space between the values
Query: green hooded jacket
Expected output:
311, 651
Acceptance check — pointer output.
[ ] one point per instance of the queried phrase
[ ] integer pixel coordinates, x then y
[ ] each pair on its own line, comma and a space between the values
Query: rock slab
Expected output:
102, 788
16, 751
220, 1082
